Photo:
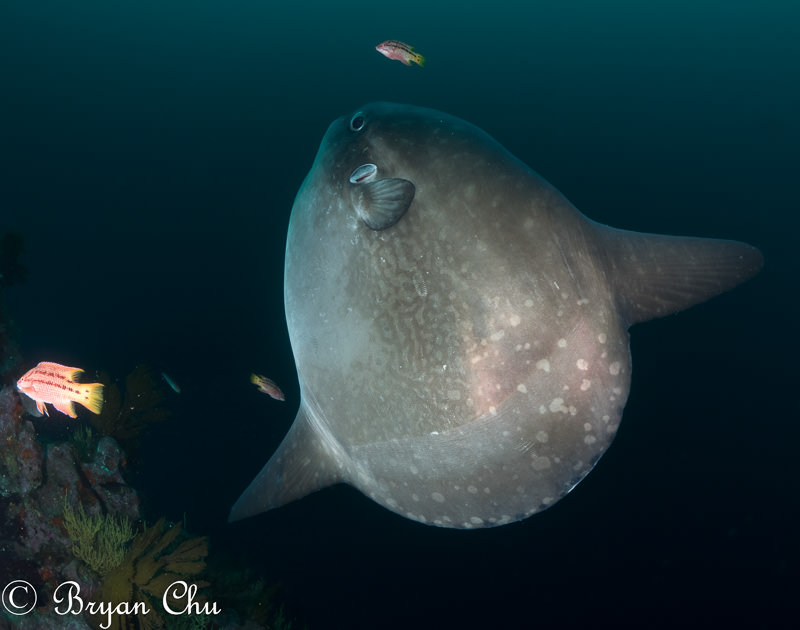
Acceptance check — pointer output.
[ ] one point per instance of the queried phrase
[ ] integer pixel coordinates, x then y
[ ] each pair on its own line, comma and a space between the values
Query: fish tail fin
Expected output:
92, 396
419, 59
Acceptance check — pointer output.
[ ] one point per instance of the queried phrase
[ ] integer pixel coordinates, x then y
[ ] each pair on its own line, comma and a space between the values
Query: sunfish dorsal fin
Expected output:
301, 465
655, 275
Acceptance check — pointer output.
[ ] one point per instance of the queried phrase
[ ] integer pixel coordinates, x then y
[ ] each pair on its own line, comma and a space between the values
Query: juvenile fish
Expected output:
400, 51
267, 386
51, 383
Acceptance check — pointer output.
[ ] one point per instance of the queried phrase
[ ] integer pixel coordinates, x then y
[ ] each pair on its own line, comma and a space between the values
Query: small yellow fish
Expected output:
400, 51
55, 384
267, 386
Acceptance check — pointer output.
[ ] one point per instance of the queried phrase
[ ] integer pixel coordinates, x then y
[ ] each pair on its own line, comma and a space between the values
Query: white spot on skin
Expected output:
498, 335
543, 364
413, 469
562, 343
540, 463
542, 409
522, 389
542, 436
439, 498
475, 520
493, 410
582, 364
590, 439
557, 405
614, 368
585, 384
528, 303
514, 320
602, 338
587, 426
472, 490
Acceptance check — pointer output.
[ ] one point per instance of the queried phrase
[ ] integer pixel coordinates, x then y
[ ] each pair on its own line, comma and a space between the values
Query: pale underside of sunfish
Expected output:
460, 329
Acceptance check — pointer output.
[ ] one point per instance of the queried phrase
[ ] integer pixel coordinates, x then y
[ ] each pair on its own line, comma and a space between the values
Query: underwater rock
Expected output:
104, 475
20, 452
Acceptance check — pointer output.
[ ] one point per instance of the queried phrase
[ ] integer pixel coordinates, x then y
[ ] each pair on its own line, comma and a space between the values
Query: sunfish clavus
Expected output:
460, 329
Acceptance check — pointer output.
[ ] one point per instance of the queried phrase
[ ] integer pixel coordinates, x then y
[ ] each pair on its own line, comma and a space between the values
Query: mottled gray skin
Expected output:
468, 365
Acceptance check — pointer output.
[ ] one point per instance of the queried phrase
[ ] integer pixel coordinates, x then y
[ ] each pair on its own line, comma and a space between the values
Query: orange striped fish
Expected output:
401, 52
55, 384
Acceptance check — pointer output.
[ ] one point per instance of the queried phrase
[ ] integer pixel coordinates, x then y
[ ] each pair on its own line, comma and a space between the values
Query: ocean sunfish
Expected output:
460, 329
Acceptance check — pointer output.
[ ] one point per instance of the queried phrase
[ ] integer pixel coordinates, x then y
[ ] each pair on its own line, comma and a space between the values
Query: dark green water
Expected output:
150, 153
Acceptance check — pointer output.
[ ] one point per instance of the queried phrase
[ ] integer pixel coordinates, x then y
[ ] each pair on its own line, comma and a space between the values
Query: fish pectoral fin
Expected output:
66, 408
41, 408
382, 203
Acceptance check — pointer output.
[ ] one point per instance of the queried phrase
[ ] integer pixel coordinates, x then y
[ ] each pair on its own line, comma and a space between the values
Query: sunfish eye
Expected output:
363, 173
357, 122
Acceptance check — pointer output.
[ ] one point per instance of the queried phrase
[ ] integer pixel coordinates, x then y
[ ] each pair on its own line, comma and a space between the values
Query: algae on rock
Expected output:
99, 540
152, 564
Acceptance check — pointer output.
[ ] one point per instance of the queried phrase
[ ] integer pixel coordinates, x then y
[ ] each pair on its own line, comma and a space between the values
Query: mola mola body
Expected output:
460, 330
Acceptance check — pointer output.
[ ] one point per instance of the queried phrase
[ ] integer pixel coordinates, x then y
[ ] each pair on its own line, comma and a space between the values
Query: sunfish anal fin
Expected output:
301, 465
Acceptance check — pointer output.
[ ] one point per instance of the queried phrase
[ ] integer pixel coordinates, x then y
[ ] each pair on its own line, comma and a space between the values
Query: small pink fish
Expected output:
267, 386
401, 52
55, 384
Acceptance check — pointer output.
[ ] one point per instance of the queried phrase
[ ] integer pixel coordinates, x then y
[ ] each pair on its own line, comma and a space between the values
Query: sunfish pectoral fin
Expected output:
300, 466
381, 203
655, 275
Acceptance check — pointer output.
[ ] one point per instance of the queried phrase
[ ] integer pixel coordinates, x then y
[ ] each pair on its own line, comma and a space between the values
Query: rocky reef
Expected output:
72, 527
75, 550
